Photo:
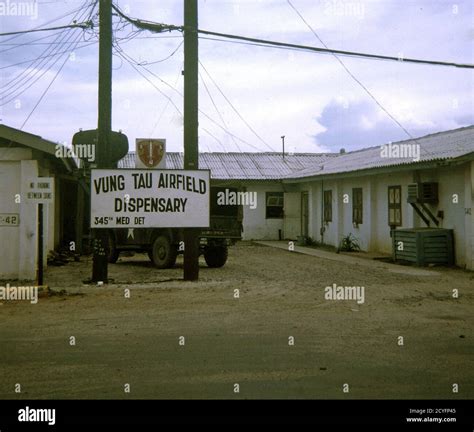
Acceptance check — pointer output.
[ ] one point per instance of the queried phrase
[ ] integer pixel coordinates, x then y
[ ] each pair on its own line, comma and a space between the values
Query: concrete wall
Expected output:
469, 214
374, 232
256, 225
452, 189
9, 235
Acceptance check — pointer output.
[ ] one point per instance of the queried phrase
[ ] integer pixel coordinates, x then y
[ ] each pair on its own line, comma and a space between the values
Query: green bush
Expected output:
349, 243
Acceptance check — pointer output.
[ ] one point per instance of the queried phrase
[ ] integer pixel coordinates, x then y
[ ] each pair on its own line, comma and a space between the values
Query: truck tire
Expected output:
216, 256
164, 253
112, 252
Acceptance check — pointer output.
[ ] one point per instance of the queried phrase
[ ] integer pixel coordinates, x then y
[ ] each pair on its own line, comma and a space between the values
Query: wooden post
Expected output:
100, 236
191, 145
39, 255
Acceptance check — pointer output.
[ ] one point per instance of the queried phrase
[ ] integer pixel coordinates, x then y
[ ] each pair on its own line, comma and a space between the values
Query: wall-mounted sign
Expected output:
40, 190
150, 198
9, 219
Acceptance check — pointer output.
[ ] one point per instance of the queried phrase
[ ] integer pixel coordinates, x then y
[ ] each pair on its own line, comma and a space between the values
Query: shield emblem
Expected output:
150, 152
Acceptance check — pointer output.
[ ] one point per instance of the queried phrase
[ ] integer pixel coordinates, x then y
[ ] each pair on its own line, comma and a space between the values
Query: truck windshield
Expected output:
218, 197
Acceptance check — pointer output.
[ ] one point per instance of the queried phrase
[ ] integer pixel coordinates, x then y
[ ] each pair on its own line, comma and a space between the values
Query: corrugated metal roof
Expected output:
271, 166
439, 146
243, 166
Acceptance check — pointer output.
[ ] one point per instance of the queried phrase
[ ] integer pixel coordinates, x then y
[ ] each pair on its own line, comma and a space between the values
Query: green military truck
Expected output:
163, 245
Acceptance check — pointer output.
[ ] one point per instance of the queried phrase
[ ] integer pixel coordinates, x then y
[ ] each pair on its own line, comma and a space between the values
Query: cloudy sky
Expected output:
305, 96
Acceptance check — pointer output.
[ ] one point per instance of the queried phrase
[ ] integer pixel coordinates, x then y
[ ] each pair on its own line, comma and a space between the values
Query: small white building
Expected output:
365, 193
23, 158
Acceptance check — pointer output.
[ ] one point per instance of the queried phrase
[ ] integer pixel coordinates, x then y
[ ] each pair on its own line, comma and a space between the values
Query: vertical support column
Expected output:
100, 236
191, 145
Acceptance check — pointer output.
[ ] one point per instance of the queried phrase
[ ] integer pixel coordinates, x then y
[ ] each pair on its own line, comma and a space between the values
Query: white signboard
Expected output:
150, 198
40, 190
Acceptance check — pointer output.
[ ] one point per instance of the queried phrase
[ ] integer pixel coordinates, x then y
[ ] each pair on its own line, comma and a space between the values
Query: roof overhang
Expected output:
35, 142
383, 170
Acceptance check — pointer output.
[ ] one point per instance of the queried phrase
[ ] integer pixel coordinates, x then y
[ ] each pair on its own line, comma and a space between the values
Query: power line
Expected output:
32, 42
147, 63
121, 54
27, 82
131, 62
51, 21
59, 70
166, 58
51, 55
159, 28
164, 108
265, 42
27, 76
217, 109
352, 75
46, 90
51, 49
213, 136
147, 25
235, 109
83, 25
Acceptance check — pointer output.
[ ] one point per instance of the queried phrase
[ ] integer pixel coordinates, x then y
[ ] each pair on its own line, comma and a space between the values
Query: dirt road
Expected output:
245, 340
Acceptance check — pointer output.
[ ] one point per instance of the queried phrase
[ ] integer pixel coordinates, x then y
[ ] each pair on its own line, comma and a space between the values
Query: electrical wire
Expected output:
35, 65
22, 82
82, 25
213, 136
217, 110
51, 21
159, 27
164, 59
47, 89
235, 109
164, 108
135, 62
131, 62
270, 43
149, 81
29, 43
51, 55
379, 104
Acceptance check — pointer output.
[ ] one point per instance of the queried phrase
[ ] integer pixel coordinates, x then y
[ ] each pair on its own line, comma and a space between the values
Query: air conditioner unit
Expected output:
426, 193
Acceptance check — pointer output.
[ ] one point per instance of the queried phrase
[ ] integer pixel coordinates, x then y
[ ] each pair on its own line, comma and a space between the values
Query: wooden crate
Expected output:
424, 246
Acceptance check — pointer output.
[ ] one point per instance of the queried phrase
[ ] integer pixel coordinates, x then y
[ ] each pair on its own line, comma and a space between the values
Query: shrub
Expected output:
349, 243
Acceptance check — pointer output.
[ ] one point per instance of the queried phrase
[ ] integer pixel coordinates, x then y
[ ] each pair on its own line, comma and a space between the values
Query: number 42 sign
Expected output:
9, 219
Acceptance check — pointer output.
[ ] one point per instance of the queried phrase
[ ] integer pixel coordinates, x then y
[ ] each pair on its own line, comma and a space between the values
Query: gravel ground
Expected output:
243, 340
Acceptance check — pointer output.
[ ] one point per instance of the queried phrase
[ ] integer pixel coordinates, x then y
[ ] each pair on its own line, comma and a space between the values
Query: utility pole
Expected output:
100, 236
191, 145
